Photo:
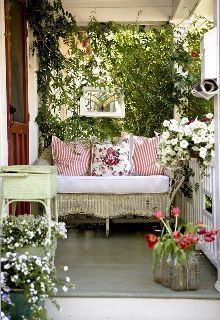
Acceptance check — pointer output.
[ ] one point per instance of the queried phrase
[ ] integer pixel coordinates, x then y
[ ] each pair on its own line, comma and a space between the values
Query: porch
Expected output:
117, 274
113, 277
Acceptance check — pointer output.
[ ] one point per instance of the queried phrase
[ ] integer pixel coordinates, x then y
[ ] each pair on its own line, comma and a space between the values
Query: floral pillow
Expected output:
111, 160
70, 158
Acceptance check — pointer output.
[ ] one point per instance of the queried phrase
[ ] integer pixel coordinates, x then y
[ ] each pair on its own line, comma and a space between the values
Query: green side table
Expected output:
30, 184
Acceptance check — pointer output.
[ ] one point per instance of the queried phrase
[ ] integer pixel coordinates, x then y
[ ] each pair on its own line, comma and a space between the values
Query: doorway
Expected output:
16, 78
16, 82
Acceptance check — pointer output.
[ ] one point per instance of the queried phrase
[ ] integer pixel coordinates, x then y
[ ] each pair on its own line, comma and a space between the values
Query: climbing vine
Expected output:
137, 60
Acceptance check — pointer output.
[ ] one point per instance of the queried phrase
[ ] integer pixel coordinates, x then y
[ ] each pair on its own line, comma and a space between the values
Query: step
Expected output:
134, 309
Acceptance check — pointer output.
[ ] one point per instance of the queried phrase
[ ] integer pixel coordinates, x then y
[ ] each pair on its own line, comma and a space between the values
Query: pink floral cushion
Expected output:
145, 156
111, 160
71, 158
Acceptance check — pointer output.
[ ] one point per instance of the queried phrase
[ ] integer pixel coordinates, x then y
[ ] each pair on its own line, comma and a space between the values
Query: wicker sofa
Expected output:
114, 197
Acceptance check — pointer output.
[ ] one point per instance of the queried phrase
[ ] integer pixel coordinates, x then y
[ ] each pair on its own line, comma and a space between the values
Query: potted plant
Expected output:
185, 139
175, 263
31, 280
29, 234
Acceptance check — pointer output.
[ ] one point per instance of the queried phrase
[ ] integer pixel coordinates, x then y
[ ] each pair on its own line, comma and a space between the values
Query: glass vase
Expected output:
185, 275
158, 268
166, 270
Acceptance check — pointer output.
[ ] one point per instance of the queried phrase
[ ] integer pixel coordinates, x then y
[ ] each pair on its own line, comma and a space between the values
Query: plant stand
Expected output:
31, 184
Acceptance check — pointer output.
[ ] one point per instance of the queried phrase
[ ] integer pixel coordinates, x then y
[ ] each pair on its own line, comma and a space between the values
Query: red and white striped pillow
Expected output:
145, 156
70, 158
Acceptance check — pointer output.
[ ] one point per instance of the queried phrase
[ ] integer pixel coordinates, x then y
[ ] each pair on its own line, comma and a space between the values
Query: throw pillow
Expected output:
111, 160
145, 156
71, 158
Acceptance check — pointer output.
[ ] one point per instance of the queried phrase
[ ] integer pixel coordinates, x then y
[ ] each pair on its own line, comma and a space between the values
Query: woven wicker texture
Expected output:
111, 205
40, 251
29, 182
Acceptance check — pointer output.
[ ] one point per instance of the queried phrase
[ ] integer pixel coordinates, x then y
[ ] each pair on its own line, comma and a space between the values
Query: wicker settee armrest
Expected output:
45, 158
176, 178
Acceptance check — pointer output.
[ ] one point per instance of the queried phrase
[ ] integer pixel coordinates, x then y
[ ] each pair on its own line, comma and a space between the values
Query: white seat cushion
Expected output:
112, 184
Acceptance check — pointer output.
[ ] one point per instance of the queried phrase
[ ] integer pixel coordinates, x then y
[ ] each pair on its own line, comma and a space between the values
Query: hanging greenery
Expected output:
136, 60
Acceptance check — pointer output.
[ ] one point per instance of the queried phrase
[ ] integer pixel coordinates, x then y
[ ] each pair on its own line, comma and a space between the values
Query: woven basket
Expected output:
28, 182
40, 251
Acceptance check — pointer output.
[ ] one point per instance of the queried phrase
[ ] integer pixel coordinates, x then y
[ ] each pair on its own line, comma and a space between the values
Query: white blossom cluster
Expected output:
186, 138
5, 298
36, 276
29, 230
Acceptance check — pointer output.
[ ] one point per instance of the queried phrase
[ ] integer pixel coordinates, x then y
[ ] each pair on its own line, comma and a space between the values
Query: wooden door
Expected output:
16, 73
16, 79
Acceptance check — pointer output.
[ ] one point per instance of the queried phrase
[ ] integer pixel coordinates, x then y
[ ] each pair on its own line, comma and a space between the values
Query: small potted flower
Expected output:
31, 280
29, 234
175, 264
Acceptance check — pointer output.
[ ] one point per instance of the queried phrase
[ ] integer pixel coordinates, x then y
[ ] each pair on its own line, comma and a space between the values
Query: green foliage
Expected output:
138, 61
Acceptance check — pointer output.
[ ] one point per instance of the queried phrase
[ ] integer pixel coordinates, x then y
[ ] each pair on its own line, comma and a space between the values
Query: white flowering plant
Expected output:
24, 230
5, 299
36, 277
185, 139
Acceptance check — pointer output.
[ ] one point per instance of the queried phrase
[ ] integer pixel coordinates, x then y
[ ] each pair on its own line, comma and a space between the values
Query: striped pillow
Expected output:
145, 156
70, 158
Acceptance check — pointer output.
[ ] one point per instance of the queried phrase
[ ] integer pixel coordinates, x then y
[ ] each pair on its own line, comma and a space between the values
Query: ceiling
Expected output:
143, 11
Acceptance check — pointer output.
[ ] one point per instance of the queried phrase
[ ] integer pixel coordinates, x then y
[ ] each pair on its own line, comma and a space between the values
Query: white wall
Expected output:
32, 101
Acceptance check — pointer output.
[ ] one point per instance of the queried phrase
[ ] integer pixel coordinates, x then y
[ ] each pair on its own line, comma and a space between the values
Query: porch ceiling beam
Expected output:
184, 9
125, 11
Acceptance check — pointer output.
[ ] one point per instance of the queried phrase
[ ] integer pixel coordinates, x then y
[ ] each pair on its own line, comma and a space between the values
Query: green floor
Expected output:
120, 266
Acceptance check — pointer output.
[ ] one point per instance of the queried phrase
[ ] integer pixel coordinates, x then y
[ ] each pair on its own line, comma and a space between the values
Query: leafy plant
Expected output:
154, 68
23, 230
37, 278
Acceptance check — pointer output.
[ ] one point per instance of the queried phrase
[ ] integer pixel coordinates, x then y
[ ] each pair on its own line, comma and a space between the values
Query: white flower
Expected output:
196, 139
65, 289
202, 152
7, 266
209, 115
166, 123
65, 268
184, 120
174, 141
187, 131
184, 144
165, 135
67, 279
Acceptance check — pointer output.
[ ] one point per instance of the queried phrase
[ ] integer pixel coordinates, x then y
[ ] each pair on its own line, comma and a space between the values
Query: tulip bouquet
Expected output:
178, 239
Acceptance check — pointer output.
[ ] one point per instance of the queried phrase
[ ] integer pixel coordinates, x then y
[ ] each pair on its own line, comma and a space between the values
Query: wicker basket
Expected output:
39, 251
28, 182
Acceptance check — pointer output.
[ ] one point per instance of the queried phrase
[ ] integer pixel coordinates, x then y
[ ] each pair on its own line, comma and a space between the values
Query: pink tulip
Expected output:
176, 234
158, 214
209, 233
215, 231
195, 240
175, 211
209, 238
201, 230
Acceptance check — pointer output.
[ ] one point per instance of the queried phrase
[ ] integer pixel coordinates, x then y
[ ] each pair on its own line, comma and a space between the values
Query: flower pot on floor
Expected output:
20, 307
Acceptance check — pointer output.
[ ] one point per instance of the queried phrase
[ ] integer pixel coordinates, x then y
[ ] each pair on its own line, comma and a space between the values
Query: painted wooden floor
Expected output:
120, 266
114, 281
